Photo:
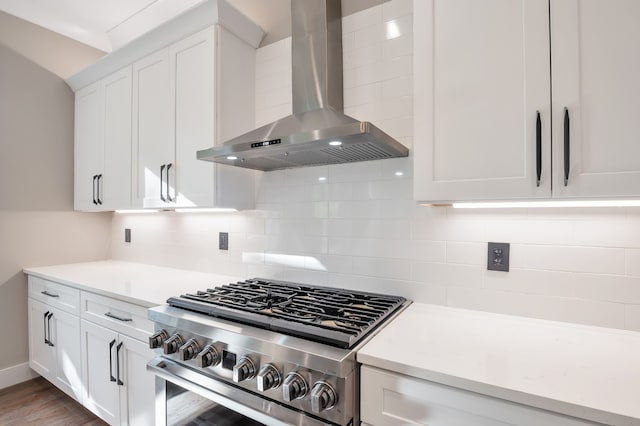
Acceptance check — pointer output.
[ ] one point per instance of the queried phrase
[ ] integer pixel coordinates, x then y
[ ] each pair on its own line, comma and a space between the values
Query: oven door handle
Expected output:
229, 396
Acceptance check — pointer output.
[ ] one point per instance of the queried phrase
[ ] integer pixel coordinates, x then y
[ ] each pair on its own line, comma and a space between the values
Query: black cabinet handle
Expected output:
111, 378
46, 339
49, 328
110, 315
161, 192
99, 197
567, 143
120, 382
93, 187
538, 148
46, 293
168, 193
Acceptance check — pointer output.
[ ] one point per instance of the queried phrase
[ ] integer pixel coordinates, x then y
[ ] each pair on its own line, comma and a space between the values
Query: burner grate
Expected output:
333, 316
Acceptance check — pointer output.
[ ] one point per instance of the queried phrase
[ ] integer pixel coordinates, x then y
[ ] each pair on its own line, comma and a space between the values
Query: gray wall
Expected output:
37, 224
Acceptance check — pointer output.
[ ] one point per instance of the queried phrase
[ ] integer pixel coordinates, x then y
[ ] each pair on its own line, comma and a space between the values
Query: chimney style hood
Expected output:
318, 132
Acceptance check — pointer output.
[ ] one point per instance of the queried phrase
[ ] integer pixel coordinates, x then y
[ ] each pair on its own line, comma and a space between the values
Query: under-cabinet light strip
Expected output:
546, 204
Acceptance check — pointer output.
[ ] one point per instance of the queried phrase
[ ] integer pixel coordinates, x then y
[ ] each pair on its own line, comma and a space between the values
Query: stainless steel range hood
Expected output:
318, 132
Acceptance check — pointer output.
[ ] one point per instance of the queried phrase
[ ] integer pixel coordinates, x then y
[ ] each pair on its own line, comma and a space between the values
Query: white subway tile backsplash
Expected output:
364, 94
361, 57
569, 258
633, 261
532, 281
396, 8
398, 27
535, 306
611, 288
632, 317
394, 269
366, 18
359, 228
466, 253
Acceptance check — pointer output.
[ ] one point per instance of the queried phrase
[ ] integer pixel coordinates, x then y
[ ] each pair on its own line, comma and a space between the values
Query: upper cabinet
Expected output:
595, 65
103, 144
485, 76
179, 109
186, 86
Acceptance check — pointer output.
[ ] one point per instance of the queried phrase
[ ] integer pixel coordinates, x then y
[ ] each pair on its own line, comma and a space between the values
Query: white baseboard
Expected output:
16, 374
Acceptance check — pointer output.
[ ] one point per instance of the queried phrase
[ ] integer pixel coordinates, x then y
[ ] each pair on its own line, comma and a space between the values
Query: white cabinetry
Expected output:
117, 386
390, 399
595, 65
175, 114
54, 335
103, 144
480, 84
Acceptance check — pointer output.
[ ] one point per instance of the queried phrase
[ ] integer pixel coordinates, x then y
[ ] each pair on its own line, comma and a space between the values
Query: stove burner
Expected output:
334, 316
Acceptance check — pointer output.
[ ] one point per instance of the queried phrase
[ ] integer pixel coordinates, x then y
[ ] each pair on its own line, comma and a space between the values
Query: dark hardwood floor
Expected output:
38, 402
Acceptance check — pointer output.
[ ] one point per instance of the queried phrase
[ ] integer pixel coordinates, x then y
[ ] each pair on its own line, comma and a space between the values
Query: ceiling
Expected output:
108, 24
65, 36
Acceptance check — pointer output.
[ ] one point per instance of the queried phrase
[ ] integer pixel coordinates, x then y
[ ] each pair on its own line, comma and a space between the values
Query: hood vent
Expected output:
318, 132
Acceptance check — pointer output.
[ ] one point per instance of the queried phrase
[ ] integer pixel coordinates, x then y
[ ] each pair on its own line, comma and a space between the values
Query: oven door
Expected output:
186, 397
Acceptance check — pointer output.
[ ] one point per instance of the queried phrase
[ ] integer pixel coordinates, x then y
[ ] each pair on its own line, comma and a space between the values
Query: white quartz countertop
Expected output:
587, 372
137, 283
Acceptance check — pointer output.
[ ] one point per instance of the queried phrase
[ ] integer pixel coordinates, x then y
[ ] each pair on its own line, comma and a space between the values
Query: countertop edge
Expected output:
88, 288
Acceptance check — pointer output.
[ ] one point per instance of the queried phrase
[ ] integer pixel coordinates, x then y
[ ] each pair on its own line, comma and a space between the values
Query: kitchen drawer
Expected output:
56, 295
119, 316
390, 399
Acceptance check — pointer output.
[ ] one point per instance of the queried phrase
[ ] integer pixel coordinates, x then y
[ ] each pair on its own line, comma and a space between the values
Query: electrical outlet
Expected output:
223, 241
127, 235
498, 257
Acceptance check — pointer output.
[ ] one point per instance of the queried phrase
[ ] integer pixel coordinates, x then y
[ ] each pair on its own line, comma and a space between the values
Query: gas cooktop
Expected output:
332, 316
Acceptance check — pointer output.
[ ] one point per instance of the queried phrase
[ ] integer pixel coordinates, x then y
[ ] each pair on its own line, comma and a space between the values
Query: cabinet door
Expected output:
101, 393
116, 180
41, 355
481, 72
152, 129
89, 146
192, 72
137, 394
390, 399
65, 338
595, 69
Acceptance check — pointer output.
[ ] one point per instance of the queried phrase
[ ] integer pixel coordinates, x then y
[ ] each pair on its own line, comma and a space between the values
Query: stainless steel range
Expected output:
271, 351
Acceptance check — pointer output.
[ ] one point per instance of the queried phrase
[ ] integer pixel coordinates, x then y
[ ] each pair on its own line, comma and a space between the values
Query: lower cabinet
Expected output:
54, 347
95, 349
390, 399
118, 387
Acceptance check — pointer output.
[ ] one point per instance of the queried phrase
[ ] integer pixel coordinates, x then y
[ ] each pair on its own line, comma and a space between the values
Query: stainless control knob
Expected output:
323, 397
209, 357
294, 387
189, 350
172, 344
268, 378
243, 370
157, 339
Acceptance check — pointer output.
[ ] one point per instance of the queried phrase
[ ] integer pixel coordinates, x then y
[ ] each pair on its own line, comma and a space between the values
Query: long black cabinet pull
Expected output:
46, 339
567, 144
161, 192
49, 328
93, 187
168, 194
99, 197
110, 315
120, 382
111, 378
538, 148
46, 293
